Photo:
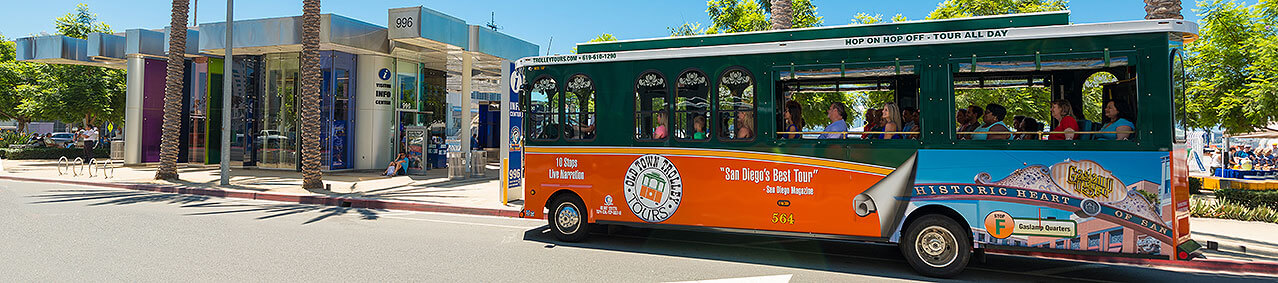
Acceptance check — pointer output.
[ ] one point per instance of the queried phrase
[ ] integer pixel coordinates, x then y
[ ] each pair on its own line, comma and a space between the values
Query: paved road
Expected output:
74, 233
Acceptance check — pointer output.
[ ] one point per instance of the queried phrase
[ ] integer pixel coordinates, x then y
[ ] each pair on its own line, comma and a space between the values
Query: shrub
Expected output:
1221, 208
10, 137
50, 153
1250, 198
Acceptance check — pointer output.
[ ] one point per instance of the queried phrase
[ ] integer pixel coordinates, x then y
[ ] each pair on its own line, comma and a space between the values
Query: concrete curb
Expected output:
1209, 265
287, 197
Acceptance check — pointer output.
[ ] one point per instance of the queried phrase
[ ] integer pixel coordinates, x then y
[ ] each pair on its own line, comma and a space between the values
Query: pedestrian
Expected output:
90, 136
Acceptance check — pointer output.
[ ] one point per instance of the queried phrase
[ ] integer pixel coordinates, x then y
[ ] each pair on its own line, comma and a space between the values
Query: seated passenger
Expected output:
793, 119
660, 131
974, 116
1063, 112
745, 125
836, 113
1116, 121
960, 118
891, 121
699, 127
1030, 128
873, 123
910, 117
993, 120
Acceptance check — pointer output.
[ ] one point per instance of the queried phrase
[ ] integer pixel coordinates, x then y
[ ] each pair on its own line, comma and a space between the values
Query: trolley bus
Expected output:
946, 137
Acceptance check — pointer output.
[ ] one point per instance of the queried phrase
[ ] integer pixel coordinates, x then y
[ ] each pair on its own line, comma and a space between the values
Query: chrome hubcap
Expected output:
567, 218
936, 246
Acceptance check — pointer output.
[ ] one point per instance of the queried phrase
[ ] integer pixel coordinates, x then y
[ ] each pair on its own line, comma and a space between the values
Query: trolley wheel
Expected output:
936, 246
568, 219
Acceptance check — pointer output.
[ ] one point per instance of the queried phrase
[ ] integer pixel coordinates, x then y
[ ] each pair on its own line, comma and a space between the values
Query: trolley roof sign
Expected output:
949, 31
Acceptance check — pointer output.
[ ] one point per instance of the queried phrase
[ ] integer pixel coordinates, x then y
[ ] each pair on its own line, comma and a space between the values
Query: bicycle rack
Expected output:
78, 167
107, 167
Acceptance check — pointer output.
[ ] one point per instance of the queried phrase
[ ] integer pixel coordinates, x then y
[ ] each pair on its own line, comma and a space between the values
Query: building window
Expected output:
692, 106
1074, 243
1093, 241
545, 109
652, 100
736, 105
1116, 237
579, 105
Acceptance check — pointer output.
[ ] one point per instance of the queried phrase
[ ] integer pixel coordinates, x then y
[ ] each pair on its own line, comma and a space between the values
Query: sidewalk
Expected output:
430, 192
1237, 240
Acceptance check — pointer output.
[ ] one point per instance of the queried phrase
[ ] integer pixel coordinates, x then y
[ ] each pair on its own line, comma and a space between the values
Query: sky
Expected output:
555, 26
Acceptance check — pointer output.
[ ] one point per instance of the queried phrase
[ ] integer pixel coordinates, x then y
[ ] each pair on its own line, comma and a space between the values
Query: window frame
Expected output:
668, 99
709, 111
594, 95
1134, 68
558, 114
917, 70
754, 103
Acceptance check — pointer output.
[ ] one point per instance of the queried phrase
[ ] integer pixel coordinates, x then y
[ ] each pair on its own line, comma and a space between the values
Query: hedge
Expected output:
50, 153
1250, 198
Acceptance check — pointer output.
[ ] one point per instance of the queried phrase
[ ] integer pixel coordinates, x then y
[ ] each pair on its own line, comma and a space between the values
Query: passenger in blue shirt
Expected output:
1116, 121
837, 113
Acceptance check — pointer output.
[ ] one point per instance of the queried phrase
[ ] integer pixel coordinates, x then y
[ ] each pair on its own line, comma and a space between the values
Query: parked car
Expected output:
61, 139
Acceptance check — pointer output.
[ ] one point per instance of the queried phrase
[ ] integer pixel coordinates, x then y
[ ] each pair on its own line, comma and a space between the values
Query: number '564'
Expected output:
783, 218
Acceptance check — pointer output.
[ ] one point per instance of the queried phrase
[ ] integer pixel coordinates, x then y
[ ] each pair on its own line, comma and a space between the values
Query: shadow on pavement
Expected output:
214, 206
869, 259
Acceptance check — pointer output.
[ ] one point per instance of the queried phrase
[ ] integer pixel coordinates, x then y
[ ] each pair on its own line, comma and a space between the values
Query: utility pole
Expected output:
227, 76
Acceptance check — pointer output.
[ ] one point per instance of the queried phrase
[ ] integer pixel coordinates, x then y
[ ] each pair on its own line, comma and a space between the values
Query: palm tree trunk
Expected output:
1162, 9
781, 14
173, 93
310, 100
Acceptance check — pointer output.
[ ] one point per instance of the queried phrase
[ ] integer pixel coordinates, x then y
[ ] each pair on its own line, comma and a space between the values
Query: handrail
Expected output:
848, 133
1050, 132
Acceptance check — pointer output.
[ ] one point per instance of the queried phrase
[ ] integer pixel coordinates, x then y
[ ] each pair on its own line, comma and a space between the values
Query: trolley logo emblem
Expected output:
653, 188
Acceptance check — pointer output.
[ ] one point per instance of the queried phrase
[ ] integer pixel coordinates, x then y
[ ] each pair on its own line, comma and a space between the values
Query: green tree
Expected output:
14, 76
601, 38
68, 93
1232, 68
865, 19
729, 16
950, 9
80, 24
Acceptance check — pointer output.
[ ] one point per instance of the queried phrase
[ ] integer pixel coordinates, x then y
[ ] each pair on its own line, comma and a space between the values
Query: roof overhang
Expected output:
274, 35
1180, 27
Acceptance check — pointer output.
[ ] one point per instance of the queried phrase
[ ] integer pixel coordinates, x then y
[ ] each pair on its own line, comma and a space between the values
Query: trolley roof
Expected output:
950, 31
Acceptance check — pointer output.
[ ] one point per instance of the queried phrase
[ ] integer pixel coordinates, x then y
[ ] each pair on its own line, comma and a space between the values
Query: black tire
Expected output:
568, 219
936, 246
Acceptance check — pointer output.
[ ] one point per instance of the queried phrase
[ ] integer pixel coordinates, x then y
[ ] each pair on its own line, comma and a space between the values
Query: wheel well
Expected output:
937, 209
560, 193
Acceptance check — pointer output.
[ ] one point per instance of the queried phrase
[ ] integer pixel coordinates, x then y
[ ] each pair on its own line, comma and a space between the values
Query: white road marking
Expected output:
759, 279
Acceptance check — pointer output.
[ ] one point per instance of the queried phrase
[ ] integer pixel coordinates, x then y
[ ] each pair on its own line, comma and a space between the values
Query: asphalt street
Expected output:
76, 233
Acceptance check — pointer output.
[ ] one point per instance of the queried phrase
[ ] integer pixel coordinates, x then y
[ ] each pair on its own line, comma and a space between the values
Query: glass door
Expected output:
277, 141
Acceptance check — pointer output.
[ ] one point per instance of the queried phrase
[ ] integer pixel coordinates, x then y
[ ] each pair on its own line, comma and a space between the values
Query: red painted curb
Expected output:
293, 198
1214, 265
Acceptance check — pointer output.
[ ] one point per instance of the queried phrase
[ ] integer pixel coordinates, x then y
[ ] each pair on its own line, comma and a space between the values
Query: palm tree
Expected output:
782, 14
309, 98
1162, 9
173, 93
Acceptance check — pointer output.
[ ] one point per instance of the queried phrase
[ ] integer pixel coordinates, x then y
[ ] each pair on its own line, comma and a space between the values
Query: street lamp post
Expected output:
227, 90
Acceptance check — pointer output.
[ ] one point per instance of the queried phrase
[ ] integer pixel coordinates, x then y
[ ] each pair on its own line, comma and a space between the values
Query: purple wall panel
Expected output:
152, 109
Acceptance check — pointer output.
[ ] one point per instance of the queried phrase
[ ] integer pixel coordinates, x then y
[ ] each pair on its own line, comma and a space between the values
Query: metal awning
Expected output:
273, 35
